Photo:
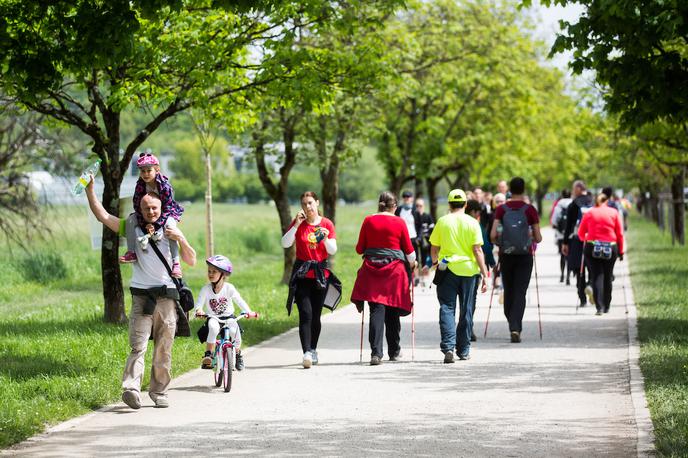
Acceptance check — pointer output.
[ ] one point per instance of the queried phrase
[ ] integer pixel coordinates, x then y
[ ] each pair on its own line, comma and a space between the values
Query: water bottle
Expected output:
444, 262
86, 177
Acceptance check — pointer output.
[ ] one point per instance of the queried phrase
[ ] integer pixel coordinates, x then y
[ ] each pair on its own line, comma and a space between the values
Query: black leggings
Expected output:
309, 300
383, 317
601, 276
516, 270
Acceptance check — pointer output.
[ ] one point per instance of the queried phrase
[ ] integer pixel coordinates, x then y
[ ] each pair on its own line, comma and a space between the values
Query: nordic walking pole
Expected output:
413, 319
360, 356
537, 293
582, 266
494, 280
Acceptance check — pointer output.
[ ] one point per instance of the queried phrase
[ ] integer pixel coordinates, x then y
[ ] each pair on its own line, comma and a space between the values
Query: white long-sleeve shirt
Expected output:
222, 303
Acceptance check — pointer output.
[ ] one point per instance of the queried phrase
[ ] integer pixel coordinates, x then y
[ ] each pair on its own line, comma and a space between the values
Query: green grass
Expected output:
659, 272
57, 357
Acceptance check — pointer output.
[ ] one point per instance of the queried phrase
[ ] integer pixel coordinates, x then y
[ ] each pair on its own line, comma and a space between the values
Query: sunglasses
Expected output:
145, 154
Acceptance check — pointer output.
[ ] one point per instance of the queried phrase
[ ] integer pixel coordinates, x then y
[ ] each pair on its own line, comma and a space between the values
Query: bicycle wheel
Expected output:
228, 356
219, 364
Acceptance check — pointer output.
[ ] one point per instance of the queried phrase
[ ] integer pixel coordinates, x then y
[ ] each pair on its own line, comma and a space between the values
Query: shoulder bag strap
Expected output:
164, 262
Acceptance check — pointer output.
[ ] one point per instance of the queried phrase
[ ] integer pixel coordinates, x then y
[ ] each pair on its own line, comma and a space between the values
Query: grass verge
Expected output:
659, 272
57, 357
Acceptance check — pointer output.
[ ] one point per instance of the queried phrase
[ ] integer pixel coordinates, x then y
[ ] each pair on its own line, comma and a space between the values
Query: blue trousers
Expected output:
455, 336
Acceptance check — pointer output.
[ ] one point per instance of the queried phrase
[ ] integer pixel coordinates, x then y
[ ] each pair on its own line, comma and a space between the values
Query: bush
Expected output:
44, 267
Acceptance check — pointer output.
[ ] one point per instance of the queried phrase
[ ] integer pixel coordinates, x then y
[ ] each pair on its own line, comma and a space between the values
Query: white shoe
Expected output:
307, 360
588, 292
314, 357
161, 401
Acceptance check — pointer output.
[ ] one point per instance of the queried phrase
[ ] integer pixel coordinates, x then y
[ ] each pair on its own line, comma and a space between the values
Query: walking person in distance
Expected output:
384, 279
520, 231
602, 229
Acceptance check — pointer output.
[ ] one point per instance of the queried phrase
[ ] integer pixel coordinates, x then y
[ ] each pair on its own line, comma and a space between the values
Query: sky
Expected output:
547, 26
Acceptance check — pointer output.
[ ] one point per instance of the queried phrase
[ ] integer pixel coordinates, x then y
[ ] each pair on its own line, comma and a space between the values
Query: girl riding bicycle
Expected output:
216, 302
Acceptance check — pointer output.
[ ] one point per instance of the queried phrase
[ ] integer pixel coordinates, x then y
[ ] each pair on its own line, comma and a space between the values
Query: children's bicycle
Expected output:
225, 353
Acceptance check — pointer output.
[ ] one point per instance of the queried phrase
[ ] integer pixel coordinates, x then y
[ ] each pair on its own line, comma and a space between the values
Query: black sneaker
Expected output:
395, 357
207, 361
239, 362
448, 357
473, 337
515, 337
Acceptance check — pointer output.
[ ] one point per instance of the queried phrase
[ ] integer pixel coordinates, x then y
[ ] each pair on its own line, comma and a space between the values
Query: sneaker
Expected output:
561, 279
314, 356
515, 337
160, 400
176, 270
588, 292
307, 360
465, 357
131, 398
207, 361
395, 357
239, 362
375, 360
605, 310
128, 258
598, 313
448, 357
473, 337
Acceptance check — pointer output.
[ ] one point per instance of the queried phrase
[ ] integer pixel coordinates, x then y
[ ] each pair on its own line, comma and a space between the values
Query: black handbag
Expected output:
186, 299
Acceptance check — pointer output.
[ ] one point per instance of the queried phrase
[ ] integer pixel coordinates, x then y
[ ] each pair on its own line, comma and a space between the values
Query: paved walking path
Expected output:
566, 395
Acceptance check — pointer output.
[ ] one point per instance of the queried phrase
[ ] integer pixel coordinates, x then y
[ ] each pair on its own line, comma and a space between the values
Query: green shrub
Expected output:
43, 267
259, 241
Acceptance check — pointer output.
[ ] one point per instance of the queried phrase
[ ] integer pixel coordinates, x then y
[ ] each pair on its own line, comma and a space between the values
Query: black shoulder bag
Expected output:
186, 299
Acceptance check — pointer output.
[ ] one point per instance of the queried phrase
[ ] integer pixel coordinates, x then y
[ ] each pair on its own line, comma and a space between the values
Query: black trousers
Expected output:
574, 262
601, 276
516, 270
384, 319
309, 300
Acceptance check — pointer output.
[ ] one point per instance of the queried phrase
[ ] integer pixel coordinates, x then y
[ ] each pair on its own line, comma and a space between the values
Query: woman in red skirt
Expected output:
384, 279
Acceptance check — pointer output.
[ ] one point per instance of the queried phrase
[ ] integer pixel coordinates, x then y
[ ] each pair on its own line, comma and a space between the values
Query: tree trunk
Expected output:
284, 212
113, 292
209, 243
431, 185
678, 202
330, 189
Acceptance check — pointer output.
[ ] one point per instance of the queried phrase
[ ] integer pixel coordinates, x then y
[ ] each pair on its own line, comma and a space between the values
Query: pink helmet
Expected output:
221, 263
147, 159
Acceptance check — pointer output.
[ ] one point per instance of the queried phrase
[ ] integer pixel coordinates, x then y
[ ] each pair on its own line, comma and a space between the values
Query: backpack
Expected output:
515, 231
560, 223
583, 209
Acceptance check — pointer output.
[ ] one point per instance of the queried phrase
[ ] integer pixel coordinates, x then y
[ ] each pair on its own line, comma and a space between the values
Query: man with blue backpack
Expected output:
517, 231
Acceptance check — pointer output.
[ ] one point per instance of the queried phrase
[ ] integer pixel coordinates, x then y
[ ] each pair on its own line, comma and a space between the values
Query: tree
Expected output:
638, 52
83, 63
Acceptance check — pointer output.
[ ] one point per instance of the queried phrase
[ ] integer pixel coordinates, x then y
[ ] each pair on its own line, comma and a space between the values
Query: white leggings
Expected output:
214, 329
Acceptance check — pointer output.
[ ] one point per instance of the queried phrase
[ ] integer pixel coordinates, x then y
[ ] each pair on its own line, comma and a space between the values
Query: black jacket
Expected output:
573, 213
331, 283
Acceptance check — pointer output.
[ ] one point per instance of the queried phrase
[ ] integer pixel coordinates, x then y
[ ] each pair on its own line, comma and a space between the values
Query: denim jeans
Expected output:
458, 337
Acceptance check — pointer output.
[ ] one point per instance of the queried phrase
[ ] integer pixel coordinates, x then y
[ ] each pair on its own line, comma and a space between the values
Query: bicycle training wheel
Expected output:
219, 364
227, 356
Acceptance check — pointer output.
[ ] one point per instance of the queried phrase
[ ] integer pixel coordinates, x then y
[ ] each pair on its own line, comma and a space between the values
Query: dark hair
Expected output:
517, 185
308, 194
386, 202
608, 191
455, 205
473, 206
565, 193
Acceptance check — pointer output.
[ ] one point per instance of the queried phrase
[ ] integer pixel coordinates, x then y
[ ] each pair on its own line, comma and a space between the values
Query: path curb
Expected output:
643, 421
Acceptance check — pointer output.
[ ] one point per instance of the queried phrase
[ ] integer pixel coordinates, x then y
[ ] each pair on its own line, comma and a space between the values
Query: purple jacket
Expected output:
170, 207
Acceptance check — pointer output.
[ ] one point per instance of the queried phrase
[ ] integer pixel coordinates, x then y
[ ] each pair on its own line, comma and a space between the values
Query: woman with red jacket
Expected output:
384, 279
602, 230
315, 241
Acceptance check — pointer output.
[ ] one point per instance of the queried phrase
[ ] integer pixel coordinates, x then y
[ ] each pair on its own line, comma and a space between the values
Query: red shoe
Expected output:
176, 270
128, 258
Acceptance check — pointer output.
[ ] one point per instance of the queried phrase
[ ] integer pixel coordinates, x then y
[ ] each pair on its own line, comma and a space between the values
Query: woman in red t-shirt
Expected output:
384, 278
314, 236
602, 231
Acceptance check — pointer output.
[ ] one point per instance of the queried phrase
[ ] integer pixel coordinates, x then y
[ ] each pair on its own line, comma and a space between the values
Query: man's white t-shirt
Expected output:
407, 216
148, 271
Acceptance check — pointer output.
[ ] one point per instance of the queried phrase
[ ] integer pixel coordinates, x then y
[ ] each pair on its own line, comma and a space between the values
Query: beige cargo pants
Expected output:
163, 323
